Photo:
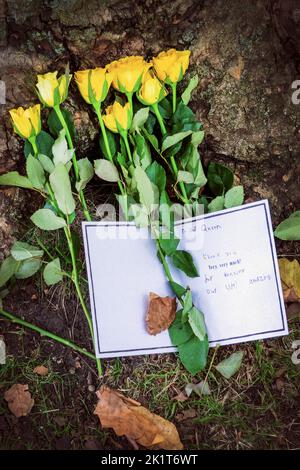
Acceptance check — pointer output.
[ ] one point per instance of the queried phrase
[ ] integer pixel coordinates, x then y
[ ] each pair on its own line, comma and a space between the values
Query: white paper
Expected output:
238, 290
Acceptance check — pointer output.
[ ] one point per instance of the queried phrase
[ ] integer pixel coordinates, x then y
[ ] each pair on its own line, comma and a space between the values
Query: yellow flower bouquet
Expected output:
149, 139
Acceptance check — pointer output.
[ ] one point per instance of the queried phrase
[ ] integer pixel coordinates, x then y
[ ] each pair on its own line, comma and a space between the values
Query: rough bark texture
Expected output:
246, 54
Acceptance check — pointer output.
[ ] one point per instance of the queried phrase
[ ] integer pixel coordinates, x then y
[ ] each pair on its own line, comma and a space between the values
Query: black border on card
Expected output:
206, 216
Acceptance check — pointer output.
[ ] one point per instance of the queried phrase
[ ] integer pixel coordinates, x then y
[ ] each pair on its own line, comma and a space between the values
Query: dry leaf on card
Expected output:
290, 279
41, 370
19, 400
128, 418
161, 313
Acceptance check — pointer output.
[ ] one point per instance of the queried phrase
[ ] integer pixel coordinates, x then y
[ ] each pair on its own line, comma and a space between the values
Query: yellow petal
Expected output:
21, 122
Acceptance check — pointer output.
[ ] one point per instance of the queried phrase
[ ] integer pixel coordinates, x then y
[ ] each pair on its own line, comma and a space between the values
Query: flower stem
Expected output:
106, 143
74, 159
174, 96
125, 138
75, 279
43, 332
160, 119
32, 140
172, 159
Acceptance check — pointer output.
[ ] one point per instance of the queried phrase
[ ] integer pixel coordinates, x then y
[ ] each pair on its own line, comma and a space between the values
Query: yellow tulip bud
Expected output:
53, 91
127, 73
171, 65
100, 81
118, 118
152, 90
27, 122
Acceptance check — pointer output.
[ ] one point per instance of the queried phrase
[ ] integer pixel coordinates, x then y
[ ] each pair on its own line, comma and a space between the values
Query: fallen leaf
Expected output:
202, 388
290, 279
231, 365
41, 370
293, 311
180, 397
186, 414
161, 313
2, 351
19, 400
128, 418
236, 70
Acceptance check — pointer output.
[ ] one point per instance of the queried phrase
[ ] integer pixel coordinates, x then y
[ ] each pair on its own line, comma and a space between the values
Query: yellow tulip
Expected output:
117, 118
27, 122
152, 90
52, 91
127, 73
171, 65
100, 80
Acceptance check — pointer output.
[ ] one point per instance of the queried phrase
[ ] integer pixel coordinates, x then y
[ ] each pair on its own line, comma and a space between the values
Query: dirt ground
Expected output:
251, 126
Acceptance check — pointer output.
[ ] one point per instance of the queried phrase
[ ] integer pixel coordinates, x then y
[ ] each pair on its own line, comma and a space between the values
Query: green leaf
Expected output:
174, 139
60, 150
52, 273
142, 154
165, 108
13, 178
139, 119
157, 175
168, 245
196, 320
60, 183
184, 261
45, 219
186, 95
180, 332
184, 119
217, 204
86, 173
234, 197
46, 163
106, 170
220, 178
185, 177
145, 189
197, 138
55, 125
187, 305
22, 250
289, 229
202, 388
111, 143
28, 268
193, 354
178, 290
7, 270
35, 172
231, 365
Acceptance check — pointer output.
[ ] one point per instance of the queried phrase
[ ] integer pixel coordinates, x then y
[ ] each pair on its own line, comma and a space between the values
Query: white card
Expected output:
238, 290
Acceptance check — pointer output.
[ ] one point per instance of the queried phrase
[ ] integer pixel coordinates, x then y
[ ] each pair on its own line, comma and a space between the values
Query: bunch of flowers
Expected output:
149, 140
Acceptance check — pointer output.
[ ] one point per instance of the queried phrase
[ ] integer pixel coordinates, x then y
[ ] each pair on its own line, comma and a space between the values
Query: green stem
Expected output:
32, 140
129, 97
185, 199
174, 96
125, 138
43, 332
74, 159
75, 279
106, 143
160, 119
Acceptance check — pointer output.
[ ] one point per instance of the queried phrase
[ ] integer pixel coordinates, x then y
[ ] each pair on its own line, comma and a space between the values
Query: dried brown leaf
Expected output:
161, 313
290, 279
128, 418
41, 370
236, 70
19, 400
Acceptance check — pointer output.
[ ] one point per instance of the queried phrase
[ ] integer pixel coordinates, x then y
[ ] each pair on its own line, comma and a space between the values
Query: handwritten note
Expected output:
238, 289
